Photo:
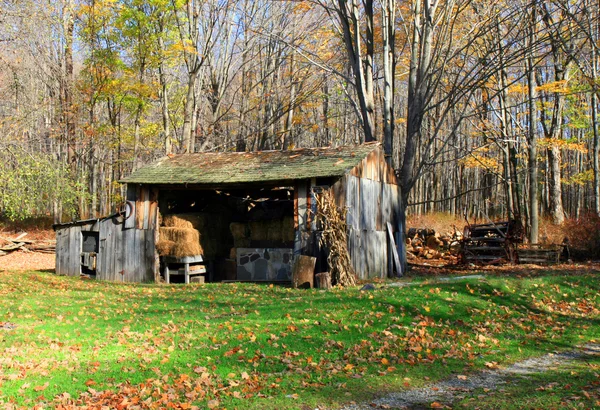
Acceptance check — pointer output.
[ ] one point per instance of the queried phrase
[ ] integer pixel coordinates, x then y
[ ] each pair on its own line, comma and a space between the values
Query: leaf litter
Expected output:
446, 392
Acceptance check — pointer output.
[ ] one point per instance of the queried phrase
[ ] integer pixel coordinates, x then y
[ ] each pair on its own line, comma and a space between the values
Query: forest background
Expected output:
485, 108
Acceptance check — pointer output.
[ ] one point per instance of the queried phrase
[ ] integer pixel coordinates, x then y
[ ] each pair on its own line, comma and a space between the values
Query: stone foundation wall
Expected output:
269, 264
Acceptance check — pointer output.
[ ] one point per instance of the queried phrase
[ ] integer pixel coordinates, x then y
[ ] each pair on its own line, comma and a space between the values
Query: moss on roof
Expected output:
243, 167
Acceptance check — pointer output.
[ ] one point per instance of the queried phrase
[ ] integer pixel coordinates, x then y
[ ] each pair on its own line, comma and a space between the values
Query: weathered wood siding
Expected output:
68, 247
302, 241
126, 254
371, 195
127, 251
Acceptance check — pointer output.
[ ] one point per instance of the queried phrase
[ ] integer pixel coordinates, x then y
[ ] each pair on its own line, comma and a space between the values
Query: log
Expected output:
303, 272
12, 247
323, 280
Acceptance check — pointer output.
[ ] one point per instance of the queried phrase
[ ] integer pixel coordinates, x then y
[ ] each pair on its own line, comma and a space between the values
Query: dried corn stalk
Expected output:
335, 238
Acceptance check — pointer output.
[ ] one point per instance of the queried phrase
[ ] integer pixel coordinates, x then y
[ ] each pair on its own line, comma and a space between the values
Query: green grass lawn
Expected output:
67, 341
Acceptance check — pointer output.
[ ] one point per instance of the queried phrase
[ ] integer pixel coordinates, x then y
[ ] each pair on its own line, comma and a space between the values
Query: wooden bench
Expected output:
188, 266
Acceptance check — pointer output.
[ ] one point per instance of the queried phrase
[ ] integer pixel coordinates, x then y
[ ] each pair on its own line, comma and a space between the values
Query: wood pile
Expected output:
8, 245
425, 243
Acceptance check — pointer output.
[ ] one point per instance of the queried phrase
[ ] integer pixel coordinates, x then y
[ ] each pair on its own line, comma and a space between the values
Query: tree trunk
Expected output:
164, 99
557, 211
532, 141
596, 152
389, 65
415, 98
188, 113
286, 138
349, 16
69, 115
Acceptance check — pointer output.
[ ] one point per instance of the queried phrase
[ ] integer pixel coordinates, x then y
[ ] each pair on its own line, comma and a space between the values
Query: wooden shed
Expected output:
254, 212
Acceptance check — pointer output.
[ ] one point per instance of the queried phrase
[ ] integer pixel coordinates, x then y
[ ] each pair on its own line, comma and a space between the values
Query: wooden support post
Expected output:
303, 272
394, 250
186, 273
323, 280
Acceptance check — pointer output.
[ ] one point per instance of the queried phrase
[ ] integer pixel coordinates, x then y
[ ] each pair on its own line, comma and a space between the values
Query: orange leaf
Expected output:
42, 387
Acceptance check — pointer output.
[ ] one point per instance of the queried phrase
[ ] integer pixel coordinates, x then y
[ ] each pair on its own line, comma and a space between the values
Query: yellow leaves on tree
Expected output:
479, 159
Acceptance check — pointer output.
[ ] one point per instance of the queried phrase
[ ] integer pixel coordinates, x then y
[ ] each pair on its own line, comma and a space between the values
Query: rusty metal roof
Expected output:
218, 168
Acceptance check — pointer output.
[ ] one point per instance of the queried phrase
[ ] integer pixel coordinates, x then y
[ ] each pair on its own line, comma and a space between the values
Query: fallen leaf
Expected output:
42, 387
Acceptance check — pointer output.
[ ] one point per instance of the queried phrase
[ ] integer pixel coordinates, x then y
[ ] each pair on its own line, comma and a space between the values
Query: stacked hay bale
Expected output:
276, 232
241, 235
212, 228
178, 237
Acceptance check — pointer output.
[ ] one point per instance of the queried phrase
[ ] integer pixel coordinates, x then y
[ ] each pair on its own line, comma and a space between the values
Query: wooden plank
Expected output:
146, 206
357, 256
153, 212
353, 202
369, 203
106, 251
116, 259
302, 205
130, 206
75, 244
384, 210
60, 252
310, 203
139, 207
303, 271
102, 250
184, 259
339, 190
396, 258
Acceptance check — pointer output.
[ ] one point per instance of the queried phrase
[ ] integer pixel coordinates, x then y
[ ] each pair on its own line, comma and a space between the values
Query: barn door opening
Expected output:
90, 245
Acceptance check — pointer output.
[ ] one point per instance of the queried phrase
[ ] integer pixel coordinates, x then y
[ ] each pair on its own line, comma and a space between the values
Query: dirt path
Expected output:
451, 390
27, 261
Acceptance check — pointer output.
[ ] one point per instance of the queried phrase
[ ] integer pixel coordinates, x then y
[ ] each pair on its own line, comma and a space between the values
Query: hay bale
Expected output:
259, 231
165, 247
274, 232
173, 221
238, 230
182, 249
189, 221
179, 234
241, 243
179, 242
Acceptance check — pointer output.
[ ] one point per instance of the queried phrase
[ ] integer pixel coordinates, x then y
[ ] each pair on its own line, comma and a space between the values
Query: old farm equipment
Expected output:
492, 243
542, 254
